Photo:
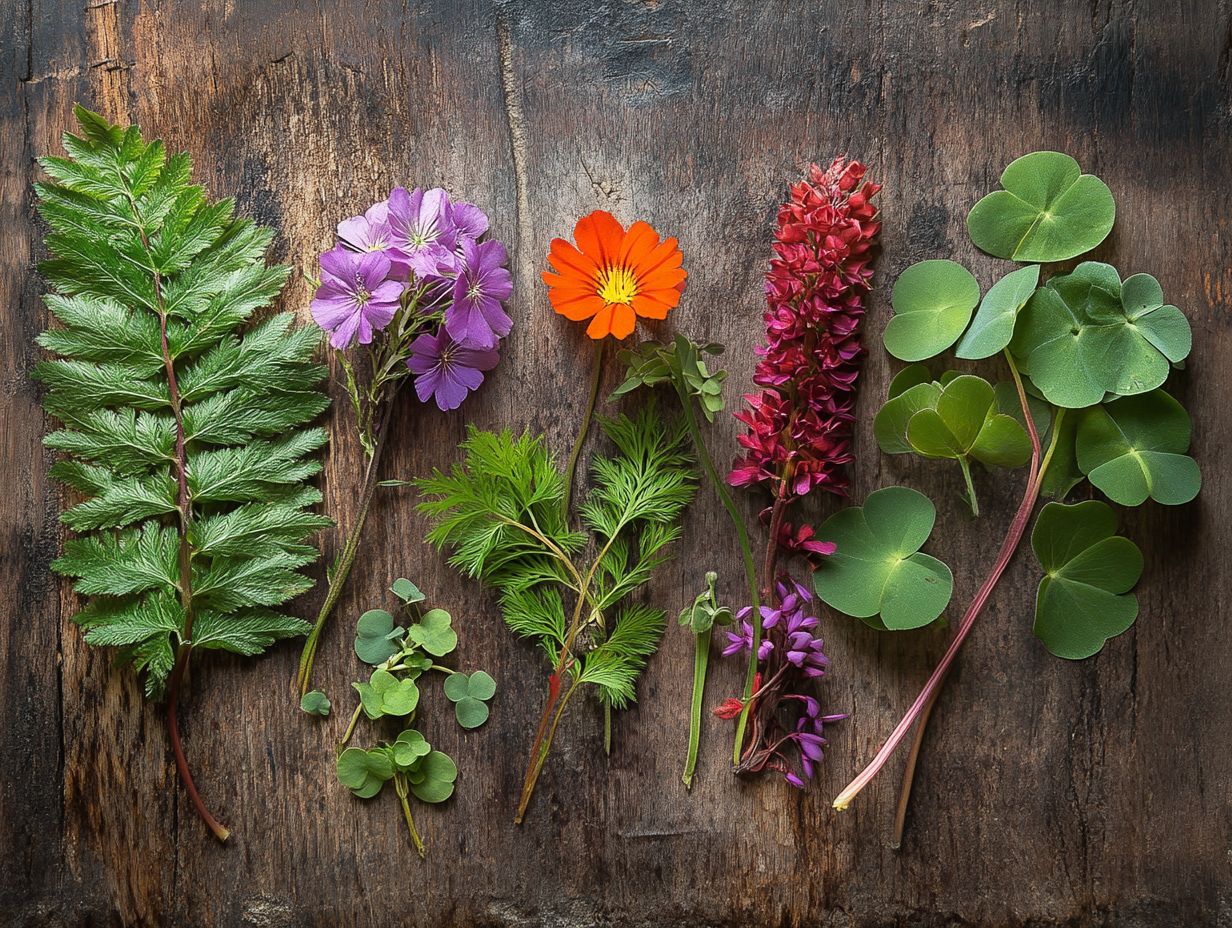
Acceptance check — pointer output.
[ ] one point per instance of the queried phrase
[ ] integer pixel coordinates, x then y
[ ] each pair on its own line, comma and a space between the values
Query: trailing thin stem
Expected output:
542, 749
342, 567
927, 696
401, 788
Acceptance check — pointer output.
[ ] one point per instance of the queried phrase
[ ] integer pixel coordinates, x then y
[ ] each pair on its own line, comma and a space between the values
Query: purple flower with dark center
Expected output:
475, 318
421, 231
356, 296
447, 371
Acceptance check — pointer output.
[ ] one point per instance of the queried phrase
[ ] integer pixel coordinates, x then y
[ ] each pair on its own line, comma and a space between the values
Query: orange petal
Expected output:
579, 308
601, 325
648, 307
568, 282
669, 297
623, 320
639, 241
663, 279
665, 256
571, 262
599, 236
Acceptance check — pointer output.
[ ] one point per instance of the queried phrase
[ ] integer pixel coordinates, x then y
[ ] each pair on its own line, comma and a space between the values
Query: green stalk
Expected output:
742, 534
401, 788
701, 659
596, 372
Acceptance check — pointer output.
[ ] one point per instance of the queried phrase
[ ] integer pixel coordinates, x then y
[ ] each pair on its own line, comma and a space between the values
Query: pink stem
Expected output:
1008, 547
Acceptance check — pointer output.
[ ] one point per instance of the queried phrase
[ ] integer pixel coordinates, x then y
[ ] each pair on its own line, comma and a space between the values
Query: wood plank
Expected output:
1049, 793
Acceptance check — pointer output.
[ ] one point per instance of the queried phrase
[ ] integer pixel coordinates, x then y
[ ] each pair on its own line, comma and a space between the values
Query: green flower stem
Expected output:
342, 567
742, 535
444, 670
350, 729
924, 702
965, 466
401, 788
701, 659
596, 372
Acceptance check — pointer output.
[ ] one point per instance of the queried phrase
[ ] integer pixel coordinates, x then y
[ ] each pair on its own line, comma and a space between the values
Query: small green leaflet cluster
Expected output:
1093, 352
400, 656
500, 511
652, 363
150, 280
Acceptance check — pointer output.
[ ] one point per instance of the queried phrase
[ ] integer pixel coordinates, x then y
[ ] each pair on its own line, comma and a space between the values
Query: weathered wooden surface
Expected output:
1050, 793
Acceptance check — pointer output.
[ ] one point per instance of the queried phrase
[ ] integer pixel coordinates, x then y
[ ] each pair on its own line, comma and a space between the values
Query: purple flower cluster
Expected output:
419, 248
790, 655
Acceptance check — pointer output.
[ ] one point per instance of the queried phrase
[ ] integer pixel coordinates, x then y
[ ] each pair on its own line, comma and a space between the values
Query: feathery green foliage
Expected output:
500, 511
184, 418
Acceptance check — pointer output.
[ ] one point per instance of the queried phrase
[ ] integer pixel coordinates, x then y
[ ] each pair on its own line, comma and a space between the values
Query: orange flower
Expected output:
613, 276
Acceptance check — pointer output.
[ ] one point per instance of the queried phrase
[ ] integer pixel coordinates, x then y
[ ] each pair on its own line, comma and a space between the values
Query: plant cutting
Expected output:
1088, 354
412, 290
401, 656
700, 618
501, 512
185, 417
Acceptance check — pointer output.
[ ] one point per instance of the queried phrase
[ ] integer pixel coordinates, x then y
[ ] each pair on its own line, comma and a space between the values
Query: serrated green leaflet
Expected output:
1084, 597
136, 251
373, 642
993, 325
1086, 334
1048, 211
1134, 449
932, 303
434, 633
878, 572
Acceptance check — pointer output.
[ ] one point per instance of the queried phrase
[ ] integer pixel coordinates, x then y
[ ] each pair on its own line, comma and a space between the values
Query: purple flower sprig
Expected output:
787, 721
414, 283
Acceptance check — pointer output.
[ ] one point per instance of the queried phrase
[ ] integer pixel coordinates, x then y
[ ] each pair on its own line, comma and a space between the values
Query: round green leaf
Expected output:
877, 568
1084, 597
910, 376
1048, 211
364, 772
890, 424
433, 633
481, 685
1134, 449
435, 774
471, 712
406, 591
456, 687
993, 325
409, 747
373, 644
315, 703
1084, 335
965, 422
932, 303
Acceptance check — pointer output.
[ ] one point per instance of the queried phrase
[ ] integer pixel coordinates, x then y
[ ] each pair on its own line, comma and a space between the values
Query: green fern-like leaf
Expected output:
150, 280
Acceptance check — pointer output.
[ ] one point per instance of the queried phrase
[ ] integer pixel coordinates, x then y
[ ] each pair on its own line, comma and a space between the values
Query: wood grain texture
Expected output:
1049, 793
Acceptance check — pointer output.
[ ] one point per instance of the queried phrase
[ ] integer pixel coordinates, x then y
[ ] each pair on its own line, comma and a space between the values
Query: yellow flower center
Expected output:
617, 285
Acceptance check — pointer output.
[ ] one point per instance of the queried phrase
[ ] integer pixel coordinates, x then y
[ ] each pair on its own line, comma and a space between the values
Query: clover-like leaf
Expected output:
932, 303
1063, 472
1084, 335
910, 376
434, 633
408, 748
433, 776
385, 694
314, 702
1134, 449
877, 568
471, 712
406, 591
456, 686
891, 421
364, 772
481, 685
1048, 211
1084, 597
375, 637
993, 325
